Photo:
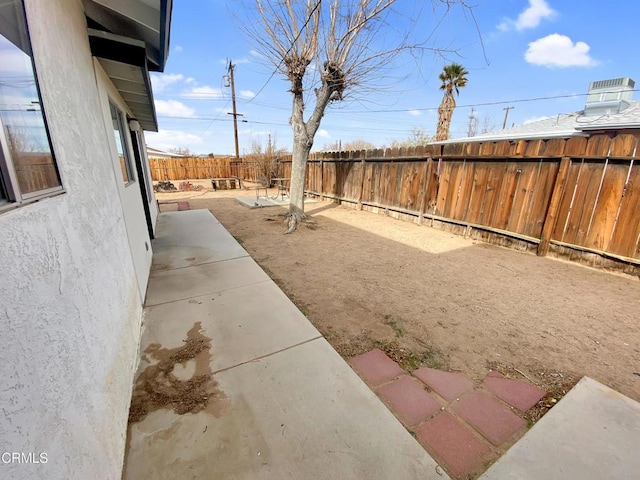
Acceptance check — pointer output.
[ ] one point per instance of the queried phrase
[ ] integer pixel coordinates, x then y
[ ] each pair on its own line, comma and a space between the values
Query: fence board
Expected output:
481, 172
584, 202
607, 205
506, 196
627, 230
541, 198
522, 198
565, 208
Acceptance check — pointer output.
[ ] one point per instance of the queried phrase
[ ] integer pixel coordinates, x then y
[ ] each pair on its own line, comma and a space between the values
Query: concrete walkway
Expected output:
280, 402
592, 434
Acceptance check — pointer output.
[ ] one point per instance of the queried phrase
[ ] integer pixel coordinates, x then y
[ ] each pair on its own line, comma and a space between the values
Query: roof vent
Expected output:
607, 97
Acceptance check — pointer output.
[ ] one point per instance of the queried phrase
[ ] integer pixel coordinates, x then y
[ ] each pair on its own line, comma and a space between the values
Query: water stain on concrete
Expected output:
158, 387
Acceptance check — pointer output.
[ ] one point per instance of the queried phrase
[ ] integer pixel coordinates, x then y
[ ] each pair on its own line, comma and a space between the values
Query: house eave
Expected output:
147, 21
124, 61
512, 138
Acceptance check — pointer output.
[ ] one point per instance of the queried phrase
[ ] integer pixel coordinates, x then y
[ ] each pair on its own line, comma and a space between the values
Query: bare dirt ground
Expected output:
428, 297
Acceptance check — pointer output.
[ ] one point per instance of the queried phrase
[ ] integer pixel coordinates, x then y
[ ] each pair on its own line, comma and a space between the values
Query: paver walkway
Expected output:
464, 427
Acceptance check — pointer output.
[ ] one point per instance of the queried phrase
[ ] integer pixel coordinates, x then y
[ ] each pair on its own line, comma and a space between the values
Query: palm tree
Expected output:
453, 77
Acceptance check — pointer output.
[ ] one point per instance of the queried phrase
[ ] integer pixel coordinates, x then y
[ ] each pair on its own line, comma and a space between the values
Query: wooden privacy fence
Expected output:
578, 196
194, 168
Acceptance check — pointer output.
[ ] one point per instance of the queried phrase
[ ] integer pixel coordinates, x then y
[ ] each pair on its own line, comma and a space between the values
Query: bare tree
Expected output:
324, 49
417, 138
487, 125
352, 145
267, 158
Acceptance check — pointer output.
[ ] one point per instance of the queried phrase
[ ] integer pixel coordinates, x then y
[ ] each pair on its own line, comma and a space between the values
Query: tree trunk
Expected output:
445, 112
303, 134
298, 176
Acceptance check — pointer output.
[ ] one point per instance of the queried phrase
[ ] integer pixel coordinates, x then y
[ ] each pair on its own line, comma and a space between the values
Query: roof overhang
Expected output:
145, 20
609, 126
498, 138
125, 62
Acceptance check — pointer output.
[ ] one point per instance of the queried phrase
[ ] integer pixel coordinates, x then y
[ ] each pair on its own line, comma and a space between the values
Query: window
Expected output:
27, 165
117, 118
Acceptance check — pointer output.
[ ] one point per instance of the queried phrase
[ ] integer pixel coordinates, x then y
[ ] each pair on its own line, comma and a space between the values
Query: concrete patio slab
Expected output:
592, 433
253, 202
190, 238
300, 413
244, 323
178, 284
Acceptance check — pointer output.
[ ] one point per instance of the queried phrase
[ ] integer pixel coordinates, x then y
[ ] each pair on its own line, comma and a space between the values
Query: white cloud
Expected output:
173, 108
235, 61
203, 91
415, 113
190, 80
530, 17
247, 94
160, 81
178, 49
557, 50
166, 139
322, 133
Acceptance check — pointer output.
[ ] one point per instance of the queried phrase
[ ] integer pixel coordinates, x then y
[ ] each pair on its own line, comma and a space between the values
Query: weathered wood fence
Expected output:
578, 197
193, 168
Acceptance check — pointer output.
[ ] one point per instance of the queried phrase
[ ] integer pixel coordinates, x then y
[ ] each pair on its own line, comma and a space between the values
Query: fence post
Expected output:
425, 190
321, 179
552, 213
364, 168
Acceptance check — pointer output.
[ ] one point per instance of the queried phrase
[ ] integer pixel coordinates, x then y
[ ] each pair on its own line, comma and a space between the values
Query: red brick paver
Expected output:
446, 384
487, 415
475, 427
375, 367
518, 393
459, 450
183, 206
408, 400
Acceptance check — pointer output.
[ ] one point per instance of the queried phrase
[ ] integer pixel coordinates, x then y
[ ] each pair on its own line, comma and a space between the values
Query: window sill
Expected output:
10, 206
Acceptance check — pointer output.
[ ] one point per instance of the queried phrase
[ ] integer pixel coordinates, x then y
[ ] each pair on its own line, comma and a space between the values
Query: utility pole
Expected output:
472, 128
506, 114
233, 102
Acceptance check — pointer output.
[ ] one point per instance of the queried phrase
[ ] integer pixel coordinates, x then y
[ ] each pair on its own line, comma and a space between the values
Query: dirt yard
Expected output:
428, 297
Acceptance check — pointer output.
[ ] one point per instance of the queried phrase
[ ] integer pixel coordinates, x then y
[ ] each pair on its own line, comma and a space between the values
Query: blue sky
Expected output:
532, 49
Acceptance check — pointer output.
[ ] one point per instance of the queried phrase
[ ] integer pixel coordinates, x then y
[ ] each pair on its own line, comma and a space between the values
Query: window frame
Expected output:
123, 132
11, 195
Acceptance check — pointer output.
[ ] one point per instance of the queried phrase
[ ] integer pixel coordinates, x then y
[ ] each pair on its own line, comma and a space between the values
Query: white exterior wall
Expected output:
70, 303
130, 194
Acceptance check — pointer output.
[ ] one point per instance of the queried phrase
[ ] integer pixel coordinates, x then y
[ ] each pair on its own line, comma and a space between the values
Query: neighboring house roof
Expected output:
155, 153
563, 125
131, 38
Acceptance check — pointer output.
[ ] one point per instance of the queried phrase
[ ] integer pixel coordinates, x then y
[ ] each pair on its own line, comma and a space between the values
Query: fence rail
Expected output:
578, 193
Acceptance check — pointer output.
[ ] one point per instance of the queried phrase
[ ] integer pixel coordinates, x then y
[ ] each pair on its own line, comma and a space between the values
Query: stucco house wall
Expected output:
70, 299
